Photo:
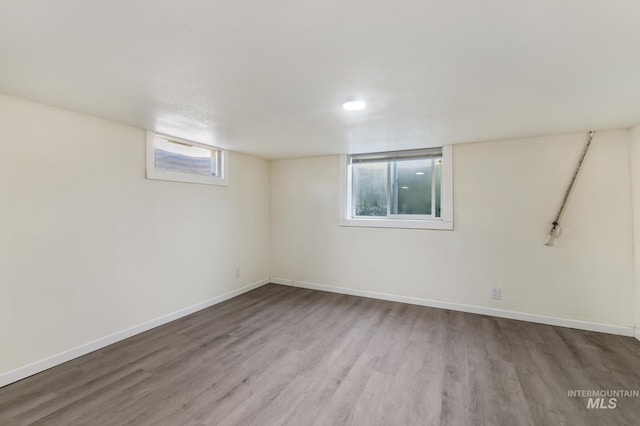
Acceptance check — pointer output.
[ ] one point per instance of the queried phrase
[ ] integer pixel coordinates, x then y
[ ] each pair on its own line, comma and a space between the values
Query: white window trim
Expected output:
168, 175
445, 222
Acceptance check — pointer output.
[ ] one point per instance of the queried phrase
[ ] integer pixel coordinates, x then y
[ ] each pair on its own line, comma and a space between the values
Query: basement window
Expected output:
401, 189
179, 160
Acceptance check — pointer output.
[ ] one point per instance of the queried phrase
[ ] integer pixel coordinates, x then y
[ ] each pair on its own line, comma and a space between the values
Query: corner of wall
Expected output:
270, 214
634, 165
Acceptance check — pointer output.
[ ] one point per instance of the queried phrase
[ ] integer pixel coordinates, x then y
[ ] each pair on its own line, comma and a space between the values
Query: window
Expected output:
178, 160
402, 189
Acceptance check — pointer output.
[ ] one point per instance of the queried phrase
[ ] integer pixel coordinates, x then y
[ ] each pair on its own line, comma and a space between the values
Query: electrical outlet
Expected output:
237, 272
495, 293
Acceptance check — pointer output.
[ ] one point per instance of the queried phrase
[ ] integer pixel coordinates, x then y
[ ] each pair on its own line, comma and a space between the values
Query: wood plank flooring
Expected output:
287, 356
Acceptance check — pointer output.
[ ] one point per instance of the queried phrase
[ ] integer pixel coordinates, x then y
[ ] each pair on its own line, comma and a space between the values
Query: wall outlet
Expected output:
237, 272
495, 293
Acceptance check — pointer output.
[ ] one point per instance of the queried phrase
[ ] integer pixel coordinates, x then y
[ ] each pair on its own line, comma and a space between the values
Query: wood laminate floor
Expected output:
284, 355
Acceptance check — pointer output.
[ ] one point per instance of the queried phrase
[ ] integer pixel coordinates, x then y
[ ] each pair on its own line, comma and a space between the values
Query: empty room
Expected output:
319, 212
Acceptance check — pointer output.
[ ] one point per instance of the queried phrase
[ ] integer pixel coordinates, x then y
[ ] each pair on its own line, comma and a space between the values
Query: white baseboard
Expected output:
502, 313
637, 334
281, 281
44, 364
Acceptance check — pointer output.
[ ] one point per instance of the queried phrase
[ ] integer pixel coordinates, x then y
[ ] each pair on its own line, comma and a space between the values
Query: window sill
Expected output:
398, 223
156, 174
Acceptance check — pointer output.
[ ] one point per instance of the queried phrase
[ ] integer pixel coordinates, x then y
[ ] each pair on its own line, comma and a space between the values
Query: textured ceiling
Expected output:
269, 77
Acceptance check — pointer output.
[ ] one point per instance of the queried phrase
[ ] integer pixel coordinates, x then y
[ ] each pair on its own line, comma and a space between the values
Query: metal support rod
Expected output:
556, 221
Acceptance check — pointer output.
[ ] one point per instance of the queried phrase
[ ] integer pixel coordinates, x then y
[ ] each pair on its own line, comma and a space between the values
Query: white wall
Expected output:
506, 194
635, 198
89, 247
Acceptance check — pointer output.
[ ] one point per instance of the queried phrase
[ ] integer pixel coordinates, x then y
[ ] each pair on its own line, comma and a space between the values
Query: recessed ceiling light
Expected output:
405, 187
353, 105
419, 173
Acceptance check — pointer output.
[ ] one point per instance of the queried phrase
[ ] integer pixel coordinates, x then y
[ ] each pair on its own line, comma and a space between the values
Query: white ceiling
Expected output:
268, 77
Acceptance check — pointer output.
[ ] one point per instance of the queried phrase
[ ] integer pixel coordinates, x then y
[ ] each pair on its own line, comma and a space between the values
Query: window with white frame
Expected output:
401, 189
179, 160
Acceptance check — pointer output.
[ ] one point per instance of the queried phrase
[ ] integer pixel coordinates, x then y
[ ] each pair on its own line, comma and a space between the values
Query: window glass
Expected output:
438, 173
370, 188
397, 184
184, 158
411, 187
179, 160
